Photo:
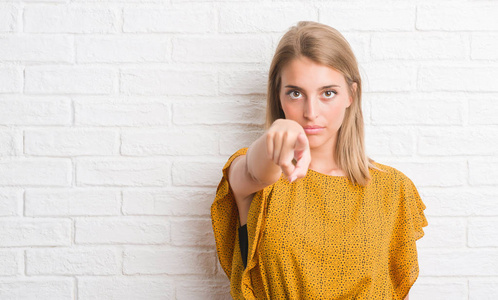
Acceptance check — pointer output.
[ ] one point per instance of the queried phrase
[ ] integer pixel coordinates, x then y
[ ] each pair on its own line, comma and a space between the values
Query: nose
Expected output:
310, 108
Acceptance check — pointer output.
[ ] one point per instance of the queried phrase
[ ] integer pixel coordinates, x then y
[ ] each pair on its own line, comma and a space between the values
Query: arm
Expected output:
266, 159
250, 173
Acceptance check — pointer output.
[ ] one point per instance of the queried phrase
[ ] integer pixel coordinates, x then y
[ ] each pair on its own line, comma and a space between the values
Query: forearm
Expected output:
259, 165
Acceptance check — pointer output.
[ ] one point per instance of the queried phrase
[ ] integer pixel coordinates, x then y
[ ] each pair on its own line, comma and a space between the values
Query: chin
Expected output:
314, 144
316, 141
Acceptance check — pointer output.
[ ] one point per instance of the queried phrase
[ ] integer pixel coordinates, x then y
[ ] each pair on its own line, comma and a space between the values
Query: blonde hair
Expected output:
325, 45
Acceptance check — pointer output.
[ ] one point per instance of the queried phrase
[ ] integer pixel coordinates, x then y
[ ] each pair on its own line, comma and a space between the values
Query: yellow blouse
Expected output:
321, 237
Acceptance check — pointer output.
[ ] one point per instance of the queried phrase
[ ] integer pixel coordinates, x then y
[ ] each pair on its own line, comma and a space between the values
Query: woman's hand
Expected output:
285, 141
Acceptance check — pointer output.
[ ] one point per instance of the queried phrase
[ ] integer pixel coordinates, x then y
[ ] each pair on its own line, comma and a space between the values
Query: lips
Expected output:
313, 129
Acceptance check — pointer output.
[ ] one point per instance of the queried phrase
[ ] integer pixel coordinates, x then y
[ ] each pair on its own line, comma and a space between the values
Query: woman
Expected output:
303, 213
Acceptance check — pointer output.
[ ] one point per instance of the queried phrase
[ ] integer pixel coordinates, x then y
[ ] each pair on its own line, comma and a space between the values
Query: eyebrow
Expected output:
323, 87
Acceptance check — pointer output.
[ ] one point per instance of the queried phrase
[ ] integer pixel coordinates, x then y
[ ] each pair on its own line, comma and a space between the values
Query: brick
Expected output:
461, 17
482, 232
461, 141
393, 109
71, 142
174, 262
446, 233
167, 82
9, 15
232, 141
388, 77
198, 18
263, 16
25, 110
69, 80
192, 232
194, 1
71, 202
431, 173
173, 202
360, 44
462, 202
458, 262
440, 288
69, 19
236, 111
10, 143
389, 141
368, 16
122, 172
125, 288
168, 142
240, 49
21, 232
482, 288
11, 79
36, 48
11, 262
484, 46
36, 172
240, 82
419, 46
126, 111
483, 109
121, 230
36, 288
204, 173
474, 78
206, 289
483, 172
10, 202
72, 261
122, 49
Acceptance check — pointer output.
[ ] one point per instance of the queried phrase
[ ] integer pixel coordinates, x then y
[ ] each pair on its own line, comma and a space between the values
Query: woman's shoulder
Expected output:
234, 155
390, 174
240, 151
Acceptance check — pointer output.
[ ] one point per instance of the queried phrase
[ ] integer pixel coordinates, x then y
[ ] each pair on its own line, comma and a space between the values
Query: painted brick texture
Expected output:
116, 118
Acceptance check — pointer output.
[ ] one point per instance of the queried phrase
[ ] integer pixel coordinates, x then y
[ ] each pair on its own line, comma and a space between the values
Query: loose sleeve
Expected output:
403, 257
245, 282
225, 218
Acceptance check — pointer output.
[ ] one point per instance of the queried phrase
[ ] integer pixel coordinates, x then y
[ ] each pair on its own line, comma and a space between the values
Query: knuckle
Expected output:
284, 164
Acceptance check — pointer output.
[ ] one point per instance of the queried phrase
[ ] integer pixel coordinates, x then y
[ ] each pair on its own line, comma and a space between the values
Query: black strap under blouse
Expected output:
243, 243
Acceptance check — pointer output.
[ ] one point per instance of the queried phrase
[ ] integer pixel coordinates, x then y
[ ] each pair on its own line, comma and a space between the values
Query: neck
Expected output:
322, 159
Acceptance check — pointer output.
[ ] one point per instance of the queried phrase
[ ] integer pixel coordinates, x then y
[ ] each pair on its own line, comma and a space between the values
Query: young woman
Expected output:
303, 212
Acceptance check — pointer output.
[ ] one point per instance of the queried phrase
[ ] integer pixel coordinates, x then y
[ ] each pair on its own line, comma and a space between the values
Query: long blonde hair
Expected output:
325, 45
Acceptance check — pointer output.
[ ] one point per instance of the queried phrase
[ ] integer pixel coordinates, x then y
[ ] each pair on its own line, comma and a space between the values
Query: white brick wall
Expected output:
116, 118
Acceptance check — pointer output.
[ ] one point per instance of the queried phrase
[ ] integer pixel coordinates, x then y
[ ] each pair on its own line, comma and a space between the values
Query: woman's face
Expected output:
314, 95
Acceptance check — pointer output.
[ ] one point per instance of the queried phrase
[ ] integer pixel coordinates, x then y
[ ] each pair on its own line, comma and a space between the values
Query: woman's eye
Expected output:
329, 94
294, 94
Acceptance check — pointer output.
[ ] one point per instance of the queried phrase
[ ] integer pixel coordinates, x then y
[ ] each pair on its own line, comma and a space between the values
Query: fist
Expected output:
288, 147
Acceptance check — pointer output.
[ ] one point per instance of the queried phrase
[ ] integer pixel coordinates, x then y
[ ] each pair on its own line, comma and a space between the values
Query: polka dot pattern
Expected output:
321, 237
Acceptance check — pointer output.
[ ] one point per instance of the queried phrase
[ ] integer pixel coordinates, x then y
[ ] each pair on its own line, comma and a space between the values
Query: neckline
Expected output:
325, 175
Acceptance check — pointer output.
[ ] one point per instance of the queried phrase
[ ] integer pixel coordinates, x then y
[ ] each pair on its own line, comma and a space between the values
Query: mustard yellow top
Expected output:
321, 237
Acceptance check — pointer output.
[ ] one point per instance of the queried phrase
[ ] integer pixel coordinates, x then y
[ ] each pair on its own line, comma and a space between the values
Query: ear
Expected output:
355, 87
